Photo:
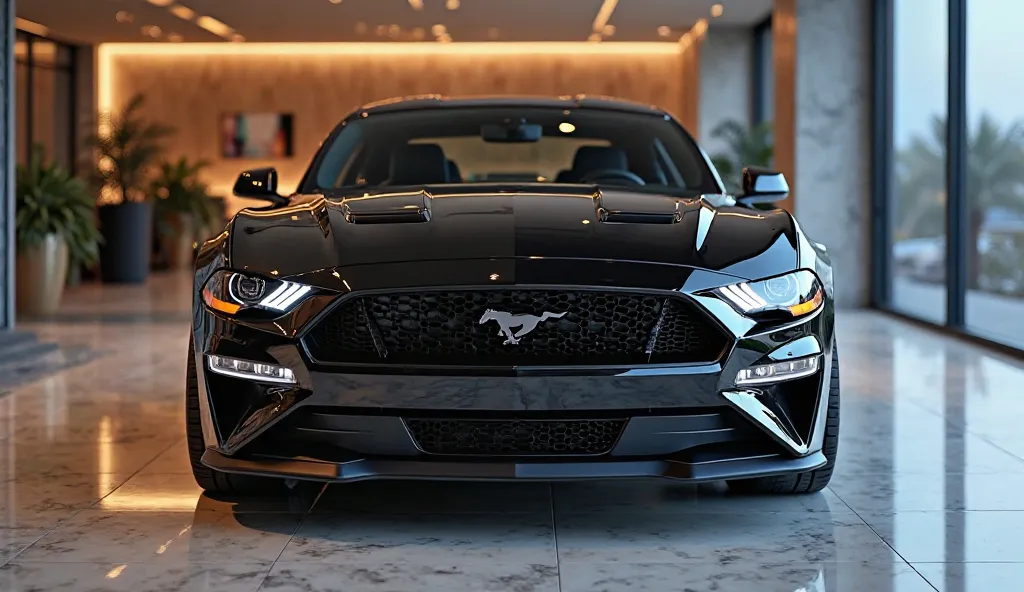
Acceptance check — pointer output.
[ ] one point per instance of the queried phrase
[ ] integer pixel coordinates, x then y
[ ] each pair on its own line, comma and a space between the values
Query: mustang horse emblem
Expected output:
507, 321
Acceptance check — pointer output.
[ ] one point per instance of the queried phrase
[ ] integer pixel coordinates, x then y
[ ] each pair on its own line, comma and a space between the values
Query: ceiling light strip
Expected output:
603, 15
183, 12
31, 27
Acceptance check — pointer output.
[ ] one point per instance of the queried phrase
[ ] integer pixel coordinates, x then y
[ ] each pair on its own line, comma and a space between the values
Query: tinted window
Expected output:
538, 145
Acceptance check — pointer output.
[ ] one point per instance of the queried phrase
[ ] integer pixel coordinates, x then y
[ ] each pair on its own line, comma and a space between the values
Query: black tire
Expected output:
213, 481
808, 481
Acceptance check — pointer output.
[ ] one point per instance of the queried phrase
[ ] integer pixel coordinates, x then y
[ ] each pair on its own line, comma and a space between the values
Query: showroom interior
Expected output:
896, 123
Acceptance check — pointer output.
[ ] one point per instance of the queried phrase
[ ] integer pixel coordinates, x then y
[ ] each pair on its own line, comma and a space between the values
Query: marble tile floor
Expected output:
96, 494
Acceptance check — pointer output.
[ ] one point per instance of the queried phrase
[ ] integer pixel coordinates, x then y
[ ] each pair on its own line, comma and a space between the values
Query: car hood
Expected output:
467, 222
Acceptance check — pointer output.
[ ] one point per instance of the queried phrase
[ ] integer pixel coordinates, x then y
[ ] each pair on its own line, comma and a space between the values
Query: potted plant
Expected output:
183, 209
127, 147
746, 147
55, 226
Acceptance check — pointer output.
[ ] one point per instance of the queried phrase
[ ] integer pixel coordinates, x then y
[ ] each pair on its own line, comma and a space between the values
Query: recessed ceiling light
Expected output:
566, 128
160, 2
175, 38
214, 26
664, 31
183, 12
717, 10
452, 4
123, 16
438, 30
151, 31
416, 4
31, 27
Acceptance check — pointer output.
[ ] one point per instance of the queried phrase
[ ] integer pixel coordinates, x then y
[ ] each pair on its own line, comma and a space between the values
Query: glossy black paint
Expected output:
259, 184
497, 221
490, 236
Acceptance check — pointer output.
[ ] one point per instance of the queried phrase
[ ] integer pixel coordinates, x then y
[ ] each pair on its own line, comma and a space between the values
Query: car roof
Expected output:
418, 102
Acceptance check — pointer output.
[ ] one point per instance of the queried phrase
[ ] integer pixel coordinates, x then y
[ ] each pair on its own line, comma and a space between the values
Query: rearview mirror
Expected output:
511, 130
259, 184
761, 185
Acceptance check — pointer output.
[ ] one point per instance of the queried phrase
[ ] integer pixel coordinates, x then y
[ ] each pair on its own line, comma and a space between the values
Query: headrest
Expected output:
454, 174
418, 164
599, 158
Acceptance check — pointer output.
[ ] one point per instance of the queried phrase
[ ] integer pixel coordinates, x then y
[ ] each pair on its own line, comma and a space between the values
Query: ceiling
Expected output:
96, 21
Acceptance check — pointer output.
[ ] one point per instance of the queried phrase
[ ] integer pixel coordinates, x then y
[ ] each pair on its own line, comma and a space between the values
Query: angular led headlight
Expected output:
251, 370
777, 371
230, 292
791, 295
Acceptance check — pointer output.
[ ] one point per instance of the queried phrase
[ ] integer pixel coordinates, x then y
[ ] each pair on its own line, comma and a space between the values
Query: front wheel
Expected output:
808, 481
211, 480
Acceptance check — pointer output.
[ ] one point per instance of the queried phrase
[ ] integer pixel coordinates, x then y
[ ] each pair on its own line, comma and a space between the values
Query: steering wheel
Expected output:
612, 175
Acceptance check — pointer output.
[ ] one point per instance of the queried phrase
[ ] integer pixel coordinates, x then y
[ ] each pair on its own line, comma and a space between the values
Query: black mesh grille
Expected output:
585, 328
515, 437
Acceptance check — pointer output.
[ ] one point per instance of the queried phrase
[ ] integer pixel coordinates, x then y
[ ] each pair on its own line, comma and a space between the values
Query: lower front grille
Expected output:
515, 437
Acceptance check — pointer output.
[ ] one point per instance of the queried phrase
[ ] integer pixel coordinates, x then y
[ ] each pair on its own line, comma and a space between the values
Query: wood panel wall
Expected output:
190, 92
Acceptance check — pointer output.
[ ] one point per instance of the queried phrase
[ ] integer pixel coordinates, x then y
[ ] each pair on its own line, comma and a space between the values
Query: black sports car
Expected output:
511, 288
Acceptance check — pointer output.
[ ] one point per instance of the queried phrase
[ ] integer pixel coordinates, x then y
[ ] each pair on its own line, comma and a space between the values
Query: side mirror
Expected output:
762, 185
259, 184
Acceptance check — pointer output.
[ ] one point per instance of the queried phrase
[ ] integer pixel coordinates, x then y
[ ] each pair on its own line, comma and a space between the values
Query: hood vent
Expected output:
636, 209
392, 208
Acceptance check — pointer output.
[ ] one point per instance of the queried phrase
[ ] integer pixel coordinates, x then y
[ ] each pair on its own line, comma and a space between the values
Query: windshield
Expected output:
520, 145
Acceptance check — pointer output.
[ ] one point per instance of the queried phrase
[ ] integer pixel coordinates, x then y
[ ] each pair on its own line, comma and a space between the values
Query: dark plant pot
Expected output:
128, 235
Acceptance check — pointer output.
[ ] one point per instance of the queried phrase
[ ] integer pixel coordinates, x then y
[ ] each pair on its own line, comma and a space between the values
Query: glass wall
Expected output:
764, 73
44, 98
917, 194
995, 171
957, 121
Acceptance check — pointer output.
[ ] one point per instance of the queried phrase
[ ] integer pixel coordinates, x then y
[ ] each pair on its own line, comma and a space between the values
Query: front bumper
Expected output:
365, 469
686, 422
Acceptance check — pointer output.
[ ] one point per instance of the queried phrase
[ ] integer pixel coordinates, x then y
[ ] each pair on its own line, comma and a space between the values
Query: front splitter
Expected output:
366, 469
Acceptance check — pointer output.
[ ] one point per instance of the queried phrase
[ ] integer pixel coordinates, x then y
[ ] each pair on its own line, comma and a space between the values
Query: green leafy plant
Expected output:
128, 147
49, 200
180, 192
995, 179
748, 146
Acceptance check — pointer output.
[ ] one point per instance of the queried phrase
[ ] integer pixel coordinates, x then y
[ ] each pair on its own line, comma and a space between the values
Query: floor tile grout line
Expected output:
309, 512
967, 430
884, 542
130, 477
554, 535
80, 510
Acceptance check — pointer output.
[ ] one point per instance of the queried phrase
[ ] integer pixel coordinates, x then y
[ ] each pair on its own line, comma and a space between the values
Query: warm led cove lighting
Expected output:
107, 53
777, 371
250, 370
31, 27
